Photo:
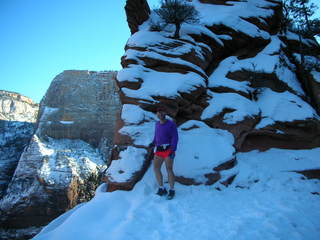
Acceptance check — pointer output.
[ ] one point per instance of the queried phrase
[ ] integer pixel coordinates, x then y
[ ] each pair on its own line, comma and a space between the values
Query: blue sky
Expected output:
41, 38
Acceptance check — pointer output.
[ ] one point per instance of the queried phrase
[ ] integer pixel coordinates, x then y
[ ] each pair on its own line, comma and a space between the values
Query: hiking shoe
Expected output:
171, 194
162, 191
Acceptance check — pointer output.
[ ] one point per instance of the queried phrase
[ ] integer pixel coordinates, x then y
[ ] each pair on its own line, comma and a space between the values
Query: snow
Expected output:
146, 38
165, 84
267, 200
138, 55
294, 36
307, 59
242, 106
316, 76
130, 161
141, 134
67, 122
266, 61
197, 148
317, 39
231, 16
66, 159
282, 107
218, 77
133, 114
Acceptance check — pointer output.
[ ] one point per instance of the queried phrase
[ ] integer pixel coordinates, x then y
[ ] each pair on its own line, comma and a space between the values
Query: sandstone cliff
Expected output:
60, 167
234, 78
18, 115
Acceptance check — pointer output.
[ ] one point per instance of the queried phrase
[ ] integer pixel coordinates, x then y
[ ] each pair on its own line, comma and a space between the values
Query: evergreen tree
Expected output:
297, 17
177, 12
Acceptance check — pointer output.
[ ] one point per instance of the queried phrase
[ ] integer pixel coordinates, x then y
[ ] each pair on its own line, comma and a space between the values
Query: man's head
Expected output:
161, 113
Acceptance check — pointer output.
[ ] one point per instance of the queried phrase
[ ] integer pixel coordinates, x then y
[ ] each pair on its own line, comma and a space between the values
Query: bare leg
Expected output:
169, 166
157, 163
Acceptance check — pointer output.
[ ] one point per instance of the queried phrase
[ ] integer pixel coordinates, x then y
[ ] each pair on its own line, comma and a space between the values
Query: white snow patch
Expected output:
130, 161
231, 16
266, 61
66, 158
67, 122
316, 76
282, 107
159, 83
197, 150
242, 106
133, 114
141, 134
274, 168
218, 77
138, 55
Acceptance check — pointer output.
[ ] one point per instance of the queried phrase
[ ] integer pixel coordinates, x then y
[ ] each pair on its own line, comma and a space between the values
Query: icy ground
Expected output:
266, 201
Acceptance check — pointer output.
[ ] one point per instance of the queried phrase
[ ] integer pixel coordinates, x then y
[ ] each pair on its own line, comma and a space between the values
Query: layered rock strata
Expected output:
234, 71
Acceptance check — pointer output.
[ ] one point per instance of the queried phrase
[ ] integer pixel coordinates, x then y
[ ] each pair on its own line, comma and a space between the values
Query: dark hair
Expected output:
161, 109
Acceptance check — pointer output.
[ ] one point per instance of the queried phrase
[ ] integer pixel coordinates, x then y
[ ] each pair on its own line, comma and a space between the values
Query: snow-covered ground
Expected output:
267, 200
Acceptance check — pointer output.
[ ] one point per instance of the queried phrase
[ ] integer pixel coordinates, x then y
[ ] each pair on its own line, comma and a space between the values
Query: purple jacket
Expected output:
166, 133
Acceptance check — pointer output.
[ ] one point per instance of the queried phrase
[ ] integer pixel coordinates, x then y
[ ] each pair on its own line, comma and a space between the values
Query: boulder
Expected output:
137, 12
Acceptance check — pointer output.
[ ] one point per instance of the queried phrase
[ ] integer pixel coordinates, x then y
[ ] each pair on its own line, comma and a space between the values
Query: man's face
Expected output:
161, 115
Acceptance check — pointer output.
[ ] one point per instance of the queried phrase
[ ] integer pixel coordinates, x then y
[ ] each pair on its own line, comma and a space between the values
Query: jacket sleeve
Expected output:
174, 138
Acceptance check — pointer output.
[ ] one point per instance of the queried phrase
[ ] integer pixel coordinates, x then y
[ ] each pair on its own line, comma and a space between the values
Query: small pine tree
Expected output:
297, 17
177, 12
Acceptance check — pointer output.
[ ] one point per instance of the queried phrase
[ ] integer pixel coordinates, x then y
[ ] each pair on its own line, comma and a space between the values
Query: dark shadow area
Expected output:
14, 137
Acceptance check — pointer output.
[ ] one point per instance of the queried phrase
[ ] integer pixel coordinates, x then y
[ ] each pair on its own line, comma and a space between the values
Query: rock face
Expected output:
61, 165
234, 71
18, 116
80, 105
137, 12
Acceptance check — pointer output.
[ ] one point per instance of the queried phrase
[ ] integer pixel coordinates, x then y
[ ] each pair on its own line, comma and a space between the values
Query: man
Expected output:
165, 142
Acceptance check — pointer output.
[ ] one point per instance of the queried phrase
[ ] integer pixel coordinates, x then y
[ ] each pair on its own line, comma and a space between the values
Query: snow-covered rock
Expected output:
18, 115
232, 70
50, 178
62, 164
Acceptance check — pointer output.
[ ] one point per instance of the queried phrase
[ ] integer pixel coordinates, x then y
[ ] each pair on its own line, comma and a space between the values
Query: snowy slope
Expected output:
266, 201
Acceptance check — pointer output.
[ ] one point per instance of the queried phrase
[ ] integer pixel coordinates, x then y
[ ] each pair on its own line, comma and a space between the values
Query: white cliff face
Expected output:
15, 107
18, 115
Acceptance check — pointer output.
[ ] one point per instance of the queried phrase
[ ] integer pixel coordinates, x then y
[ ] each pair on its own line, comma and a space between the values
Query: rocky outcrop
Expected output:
80, 105
16, 107
137, 12
235, 72
61, 165
18, 115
